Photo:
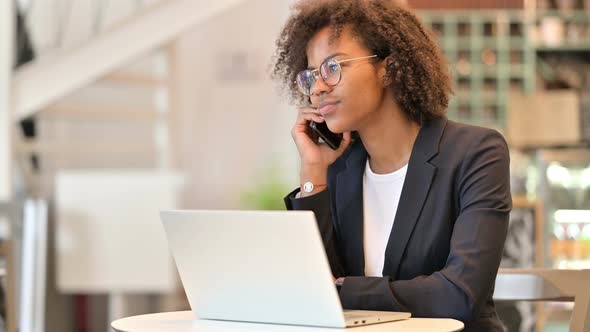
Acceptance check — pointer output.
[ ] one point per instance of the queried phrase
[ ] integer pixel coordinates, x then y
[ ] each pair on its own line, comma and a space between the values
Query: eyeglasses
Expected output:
330, 71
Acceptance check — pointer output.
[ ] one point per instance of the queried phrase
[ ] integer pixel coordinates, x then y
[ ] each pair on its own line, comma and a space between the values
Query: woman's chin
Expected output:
336, 127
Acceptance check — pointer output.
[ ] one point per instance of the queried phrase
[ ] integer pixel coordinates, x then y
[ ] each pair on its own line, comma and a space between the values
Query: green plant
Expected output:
269, 191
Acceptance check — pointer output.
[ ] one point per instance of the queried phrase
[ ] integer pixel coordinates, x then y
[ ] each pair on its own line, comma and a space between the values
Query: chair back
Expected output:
548, 285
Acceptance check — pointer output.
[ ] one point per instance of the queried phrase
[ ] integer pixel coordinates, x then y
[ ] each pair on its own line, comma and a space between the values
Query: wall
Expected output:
234, 125
6, 51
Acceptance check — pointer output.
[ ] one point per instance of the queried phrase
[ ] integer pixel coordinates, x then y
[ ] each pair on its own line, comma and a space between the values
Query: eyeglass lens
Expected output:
329, 70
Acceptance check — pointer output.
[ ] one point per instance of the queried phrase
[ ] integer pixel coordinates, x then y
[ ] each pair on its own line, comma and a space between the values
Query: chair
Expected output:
548, 285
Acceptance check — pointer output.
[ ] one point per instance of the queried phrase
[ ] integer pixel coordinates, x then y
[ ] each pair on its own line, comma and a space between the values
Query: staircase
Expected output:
52, 89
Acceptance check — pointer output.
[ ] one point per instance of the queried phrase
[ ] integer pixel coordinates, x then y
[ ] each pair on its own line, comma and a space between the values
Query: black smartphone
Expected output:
321, 130
332, 139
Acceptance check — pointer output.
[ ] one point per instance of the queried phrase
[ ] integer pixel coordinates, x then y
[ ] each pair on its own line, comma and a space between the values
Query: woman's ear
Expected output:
382, 73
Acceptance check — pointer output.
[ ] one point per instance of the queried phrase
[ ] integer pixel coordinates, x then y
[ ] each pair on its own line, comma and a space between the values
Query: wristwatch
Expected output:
309, 186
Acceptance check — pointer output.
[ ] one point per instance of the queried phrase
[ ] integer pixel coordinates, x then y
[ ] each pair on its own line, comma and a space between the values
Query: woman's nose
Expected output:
319, 87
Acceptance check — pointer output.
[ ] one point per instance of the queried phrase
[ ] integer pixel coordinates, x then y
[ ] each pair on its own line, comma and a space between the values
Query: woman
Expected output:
413, 208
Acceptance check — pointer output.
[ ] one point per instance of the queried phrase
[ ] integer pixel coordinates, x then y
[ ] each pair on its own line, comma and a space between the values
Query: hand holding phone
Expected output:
320, 129
308, 133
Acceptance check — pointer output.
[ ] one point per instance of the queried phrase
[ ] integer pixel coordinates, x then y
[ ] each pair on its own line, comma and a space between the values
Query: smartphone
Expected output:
332, 139
321, 130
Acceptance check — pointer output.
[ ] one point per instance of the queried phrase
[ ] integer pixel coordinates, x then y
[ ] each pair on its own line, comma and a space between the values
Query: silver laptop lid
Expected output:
256, 266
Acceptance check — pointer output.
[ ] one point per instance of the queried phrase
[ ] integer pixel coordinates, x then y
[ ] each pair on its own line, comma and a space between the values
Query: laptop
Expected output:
259, 266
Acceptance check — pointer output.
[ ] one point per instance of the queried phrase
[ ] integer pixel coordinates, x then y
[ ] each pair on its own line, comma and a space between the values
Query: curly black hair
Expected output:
417, 73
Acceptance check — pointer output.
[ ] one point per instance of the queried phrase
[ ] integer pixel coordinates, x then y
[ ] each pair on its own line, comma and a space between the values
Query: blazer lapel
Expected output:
414, 193
349, 208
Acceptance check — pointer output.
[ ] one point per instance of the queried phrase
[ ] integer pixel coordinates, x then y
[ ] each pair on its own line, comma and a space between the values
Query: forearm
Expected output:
458, 290
420, 296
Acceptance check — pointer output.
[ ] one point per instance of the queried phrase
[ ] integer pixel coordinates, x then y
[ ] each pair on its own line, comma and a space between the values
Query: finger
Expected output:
312, 111
306, 117
302, 127
307, 108
304, 134
316, 116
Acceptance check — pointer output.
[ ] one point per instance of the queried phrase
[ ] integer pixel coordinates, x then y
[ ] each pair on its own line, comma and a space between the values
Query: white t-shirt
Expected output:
381, 194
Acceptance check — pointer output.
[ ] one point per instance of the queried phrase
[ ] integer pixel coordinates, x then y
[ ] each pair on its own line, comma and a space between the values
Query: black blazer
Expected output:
445, 246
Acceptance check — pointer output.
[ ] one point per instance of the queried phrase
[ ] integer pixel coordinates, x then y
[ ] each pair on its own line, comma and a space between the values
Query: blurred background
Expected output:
111, 110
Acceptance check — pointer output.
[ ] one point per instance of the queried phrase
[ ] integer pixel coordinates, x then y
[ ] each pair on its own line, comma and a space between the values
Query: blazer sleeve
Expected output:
320, 205
466, 281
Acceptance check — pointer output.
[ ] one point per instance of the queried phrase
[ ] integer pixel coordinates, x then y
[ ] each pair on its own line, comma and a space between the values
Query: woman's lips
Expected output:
327, 108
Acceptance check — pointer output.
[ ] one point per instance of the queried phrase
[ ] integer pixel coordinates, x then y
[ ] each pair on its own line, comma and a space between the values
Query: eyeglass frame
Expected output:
316, 72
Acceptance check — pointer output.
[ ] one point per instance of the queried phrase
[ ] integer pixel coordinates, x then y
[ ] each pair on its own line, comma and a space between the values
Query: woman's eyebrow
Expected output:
328, 57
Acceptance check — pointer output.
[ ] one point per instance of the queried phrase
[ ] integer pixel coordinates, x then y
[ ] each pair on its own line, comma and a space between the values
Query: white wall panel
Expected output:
109, 235
6, 62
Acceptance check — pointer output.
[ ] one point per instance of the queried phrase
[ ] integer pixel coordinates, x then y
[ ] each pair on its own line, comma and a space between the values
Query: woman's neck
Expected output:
389, 137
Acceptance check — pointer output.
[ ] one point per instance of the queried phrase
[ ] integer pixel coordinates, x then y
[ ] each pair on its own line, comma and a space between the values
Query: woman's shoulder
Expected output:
462, 143
462, 131
462, 135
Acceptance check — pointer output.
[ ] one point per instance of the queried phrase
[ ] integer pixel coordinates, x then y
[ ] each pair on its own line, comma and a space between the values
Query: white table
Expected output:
183, 321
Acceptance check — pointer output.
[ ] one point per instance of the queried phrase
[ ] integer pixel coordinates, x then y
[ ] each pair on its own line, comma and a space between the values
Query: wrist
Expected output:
312, 165
312, 188
313, 172
312, 180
